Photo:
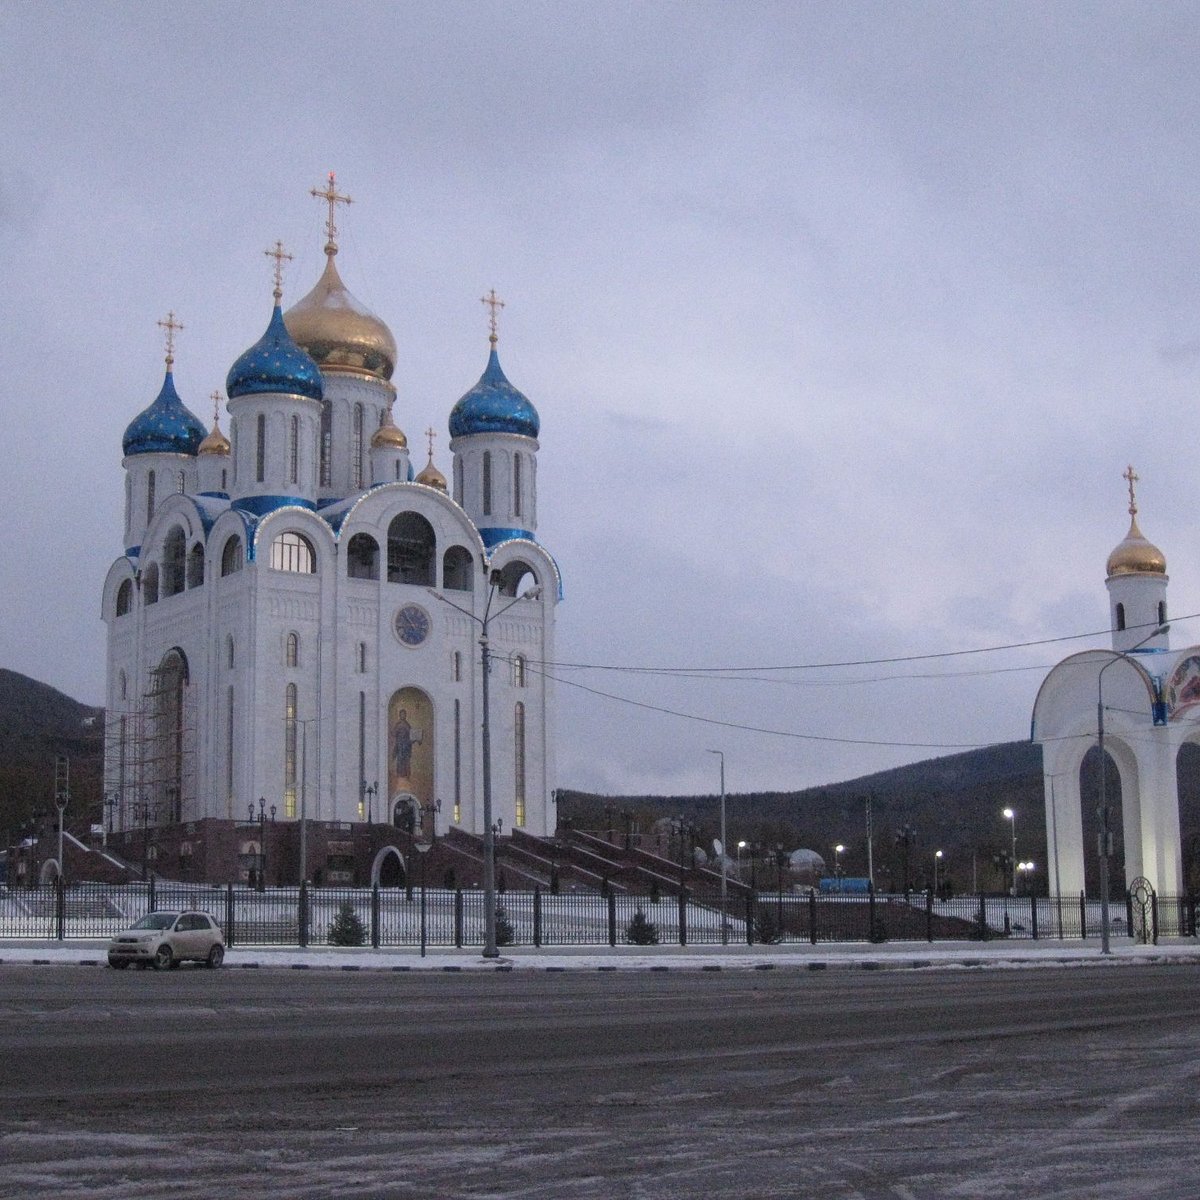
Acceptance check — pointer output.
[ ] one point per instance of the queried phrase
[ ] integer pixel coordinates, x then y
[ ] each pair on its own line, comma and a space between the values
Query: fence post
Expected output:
537, 915
1082, 916
1129, 910
1154, 914
229, 937
870, 912
612, 917
1191, 903
302, 913
682, 915
458, 917
375, 916
153, 895
60, 908
1033, 916
929, 914
983, 925
812, 915
750, 918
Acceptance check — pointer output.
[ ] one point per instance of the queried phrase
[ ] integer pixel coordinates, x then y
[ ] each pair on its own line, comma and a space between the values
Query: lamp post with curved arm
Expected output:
1105, 836
489, 833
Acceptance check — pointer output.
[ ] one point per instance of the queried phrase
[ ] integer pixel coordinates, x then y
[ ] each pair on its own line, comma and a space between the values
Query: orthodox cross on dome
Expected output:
172, 326
493, 302
216, 399
430, 433
332, 197
1132, 477
280, 256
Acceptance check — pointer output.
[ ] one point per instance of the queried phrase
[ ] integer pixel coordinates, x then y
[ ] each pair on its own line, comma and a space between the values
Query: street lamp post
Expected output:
724, 860
1011, 817
262, 836
1105, 836
838, 851
489, 833
740, 847
1026, 869
62, 796
937, 858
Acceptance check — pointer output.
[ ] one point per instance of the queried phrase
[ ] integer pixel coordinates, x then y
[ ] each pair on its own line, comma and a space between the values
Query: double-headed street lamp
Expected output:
489, 834
262, 836
1105, 836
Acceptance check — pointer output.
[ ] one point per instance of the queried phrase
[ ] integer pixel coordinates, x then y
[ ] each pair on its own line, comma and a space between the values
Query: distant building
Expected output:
297, 613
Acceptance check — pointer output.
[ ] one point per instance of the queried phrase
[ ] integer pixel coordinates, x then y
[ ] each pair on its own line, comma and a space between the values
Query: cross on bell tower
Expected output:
332, 197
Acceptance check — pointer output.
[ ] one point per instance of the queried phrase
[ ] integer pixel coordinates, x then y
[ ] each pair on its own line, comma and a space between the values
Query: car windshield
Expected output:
156, 921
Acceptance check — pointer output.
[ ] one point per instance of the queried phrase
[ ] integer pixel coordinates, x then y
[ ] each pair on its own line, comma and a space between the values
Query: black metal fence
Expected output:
441, 918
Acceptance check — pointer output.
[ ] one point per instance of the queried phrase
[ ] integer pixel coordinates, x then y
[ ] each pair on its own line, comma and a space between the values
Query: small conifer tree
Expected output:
504, 928
641, 931
346, 928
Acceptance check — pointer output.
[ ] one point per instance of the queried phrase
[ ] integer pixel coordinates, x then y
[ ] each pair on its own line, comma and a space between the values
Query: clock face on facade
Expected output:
411, 624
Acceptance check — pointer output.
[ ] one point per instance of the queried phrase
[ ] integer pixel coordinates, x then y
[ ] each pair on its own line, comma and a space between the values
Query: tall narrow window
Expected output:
356, 448
1162, 612
518, 671
294, 451
457, 762
289, 751
224, 480
123, 687
124, 597
362, 658
233, 556
519, 763
456, 666
458, 480
229, 749
293, 650
128, 503
1120, 617
149, 495
487, 482
326, 443
516, 485
229, 653
260, 451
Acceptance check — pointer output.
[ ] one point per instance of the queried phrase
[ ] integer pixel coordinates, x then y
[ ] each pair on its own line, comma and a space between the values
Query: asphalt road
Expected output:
1032, 1083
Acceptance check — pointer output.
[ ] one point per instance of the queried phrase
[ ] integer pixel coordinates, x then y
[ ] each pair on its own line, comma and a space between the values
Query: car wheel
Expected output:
216, 956
118, 964
163, 958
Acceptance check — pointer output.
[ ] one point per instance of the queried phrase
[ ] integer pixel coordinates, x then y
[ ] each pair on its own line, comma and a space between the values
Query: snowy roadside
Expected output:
889, 956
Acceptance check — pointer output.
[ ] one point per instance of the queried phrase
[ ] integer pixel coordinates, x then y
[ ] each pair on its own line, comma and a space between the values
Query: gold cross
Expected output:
431, 433
279, 255
332, 197
1132, 477
171, 326
493, 302
216, 399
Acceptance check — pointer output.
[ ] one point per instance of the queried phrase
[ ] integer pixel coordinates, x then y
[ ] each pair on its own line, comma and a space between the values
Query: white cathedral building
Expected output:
1146, 697
297, 614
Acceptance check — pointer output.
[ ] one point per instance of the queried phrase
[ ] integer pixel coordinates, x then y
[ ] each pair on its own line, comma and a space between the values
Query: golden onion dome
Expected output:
389, 436
430, 476
215, 443
337, 331
1136, 556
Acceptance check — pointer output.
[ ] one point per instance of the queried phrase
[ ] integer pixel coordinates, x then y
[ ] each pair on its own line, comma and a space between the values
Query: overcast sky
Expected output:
843, 321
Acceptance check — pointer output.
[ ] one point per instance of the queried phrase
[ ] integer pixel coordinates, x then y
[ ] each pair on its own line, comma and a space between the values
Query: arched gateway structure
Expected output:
1145, 697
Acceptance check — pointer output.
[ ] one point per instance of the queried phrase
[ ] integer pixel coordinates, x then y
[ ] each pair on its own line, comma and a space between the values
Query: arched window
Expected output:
519, 763
150, 584
458, 569
195, 566
124, 597
294, 450
518, 670
149, 495
233, 556
515, 579
410, 550
289, 751
1162, 612
487, 483
326, 443
292, 654
174, 553
356, 448
362, 557
516, 485
260, 450
293, 552
1120, 617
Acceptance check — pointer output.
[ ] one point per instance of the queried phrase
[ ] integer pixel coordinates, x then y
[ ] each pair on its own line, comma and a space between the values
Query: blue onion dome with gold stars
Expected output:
275, 364
168, 426
493, 405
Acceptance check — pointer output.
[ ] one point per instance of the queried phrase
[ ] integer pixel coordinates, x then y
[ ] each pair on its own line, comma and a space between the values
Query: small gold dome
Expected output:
215, 442
337, 331
389, 436
430, 476
1136, 556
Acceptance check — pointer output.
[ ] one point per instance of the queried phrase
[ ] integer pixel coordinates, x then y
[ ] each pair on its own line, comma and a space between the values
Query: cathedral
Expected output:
1141, 701
299, 619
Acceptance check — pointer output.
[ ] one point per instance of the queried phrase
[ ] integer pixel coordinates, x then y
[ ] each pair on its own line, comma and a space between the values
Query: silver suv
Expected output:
165, 939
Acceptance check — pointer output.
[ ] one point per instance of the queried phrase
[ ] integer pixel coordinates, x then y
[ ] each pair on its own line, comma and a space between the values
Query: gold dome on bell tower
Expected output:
336, 330
1135, 555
